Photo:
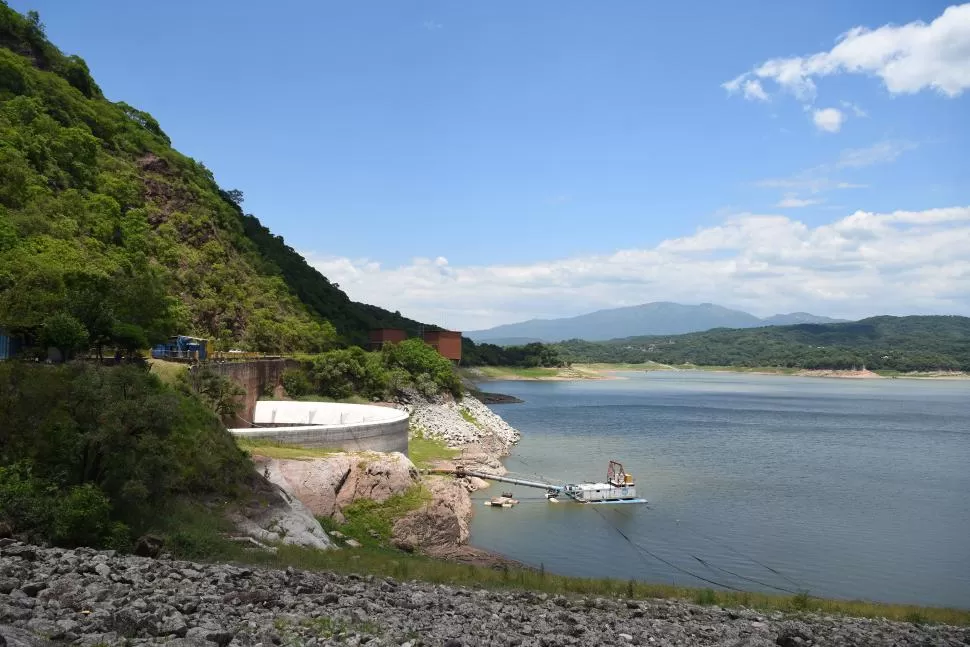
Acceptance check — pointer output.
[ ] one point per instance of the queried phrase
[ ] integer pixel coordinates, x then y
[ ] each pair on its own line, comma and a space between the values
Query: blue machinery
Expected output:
181, 348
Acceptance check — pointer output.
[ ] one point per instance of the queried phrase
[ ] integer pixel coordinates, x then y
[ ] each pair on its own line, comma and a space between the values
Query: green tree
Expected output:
65, 333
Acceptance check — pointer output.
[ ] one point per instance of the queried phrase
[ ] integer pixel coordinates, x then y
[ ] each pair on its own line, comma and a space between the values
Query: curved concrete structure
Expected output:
350, 427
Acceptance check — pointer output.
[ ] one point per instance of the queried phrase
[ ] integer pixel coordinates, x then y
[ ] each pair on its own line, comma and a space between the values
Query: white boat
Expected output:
619, 487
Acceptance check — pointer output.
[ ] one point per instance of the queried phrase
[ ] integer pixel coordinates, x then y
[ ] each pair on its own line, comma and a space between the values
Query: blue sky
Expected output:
480, 163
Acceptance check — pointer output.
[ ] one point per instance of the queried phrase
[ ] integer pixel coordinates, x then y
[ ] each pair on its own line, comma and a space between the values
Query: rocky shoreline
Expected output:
89, 598
324, 486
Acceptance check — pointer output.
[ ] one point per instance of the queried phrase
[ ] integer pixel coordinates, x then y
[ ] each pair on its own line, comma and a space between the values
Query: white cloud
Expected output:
791, 201
828, 119
865, 263
856, 110
820, 178
431, 25
908, 58
879, 153
753, 90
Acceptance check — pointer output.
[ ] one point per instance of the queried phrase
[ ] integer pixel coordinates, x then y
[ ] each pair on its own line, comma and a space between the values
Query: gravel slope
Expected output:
89, 598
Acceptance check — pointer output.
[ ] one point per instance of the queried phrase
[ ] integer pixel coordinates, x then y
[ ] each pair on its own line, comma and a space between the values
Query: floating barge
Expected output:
619, 487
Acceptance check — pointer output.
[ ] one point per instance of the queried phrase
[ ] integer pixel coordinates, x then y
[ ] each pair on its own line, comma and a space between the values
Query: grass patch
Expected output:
424, 451
513, 372
276, 449
469, 417
370, 522
167, 372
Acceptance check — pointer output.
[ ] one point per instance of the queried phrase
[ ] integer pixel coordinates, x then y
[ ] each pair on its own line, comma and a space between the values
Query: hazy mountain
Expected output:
798, 318
659, 318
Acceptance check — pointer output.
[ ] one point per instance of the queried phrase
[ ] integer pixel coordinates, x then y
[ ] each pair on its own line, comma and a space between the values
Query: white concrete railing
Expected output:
329, 424
329, 414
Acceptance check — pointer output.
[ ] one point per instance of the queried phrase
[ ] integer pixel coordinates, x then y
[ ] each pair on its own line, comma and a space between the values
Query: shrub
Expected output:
88, 452
296, 383
424, 365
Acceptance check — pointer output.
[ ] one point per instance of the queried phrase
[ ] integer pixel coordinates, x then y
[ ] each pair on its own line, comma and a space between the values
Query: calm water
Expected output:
844, 488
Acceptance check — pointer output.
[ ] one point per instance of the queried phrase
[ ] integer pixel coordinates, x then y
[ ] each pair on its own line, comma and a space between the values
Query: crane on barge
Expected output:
619, 486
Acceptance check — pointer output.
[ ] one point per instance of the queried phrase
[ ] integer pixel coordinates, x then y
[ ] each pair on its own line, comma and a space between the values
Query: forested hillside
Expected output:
918, 343
110, 236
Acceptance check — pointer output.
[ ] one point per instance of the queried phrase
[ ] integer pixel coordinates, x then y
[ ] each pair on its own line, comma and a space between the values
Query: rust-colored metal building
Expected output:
377, 338
446, 342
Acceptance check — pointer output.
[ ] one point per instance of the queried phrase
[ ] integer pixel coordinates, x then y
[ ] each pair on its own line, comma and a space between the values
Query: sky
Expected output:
477, 163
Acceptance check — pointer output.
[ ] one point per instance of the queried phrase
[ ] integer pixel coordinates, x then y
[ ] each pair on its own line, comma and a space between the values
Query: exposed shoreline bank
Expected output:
583, 372
101, 598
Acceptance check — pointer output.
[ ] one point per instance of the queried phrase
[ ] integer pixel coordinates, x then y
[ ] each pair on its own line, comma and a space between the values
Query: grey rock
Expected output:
14, 637
8, 584
148, 602
33, 588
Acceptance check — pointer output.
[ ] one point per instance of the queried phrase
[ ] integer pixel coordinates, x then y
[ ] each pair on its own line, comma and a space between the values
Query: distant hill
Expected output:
798, 318
658, 318
917, 343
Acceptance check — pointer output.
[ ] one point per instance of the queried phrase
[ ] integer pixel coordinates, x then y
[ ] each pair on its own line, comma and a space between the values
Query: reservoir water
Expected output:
844, 488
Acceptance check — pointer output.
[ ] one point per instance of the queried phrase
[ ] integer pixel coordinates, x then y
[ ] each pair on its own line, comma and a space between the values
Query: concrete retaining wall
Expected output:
254, 376
350, 427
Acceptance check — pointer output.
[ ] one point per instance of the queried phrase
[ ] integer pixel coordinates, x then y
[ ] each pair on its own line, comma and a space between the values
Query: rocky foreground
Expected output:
85, 597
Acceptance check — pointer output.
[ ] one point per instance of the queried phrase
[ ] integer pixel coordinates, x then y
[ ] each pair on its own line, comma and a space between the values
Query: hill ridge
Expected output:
657, 317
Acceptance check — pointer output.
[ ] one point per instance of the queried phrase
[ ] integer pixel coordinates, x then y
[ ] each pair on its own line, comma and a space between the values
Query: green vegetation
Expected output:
96, 456
527, 356
341, 373
573, 372
904, 344
275, 449
424, 452
167, 372
325, 628
370, 522
109, 238
469, 417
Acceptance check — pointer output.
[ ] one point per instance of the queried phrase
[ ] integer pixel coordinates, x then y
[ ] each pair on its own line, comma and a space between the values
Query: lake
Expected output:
844, 488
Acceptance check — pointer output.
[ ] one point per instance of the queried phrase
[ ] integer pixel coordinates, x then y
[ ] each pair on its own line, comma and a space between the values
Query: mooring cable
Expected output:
734, 550
743, 577
681, 569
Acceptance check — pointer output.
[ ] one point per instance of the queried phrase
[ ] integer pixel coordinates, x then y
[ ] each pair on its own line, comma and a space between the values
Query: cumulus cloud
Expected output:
753, 90
907, 58
862, 264
828, 119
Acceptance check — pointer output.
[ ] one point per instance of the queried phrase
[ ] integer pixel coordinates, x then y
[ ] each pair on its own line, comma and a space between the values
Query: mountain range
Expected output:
657, 318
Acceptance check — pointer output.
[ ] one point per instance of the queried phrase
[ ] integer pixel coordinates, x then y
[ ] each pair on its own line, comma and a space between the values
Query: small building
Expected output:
446, 342
380, 336
9, 345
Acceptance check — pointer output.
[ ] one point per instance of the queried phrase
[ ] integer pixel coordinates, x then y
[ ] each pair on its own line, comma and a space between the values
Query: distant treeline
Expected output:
917, 343
529, 355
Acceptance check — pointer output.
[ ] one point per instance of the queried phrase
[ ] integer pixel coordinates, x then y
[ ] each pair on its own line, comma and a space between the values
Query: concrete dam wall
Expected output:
255, 377
350, 427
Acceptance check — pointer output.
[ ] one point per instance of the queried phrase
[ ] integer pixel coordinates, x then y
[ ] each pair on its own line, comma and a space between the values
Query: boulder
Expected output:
285, 520
149, 546
443, 522
327, 485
